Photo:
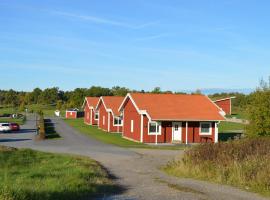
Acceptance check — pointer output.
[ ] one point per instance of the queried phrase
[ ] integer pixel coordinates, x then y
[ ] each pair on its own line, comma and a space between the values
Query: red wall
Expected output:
194, 133
130, 113
71, 115
87, 115
103, 112
225, 105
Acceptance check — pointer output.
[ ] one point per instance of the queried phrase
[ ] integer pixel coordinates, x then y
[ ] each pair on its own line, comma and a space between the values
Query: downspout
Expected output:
186, 132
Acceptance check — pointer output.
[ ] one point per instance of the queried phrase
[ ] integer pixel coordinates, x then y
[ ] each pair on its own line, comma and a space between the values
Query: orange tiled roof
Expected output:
113, 103
177, 106
92, 101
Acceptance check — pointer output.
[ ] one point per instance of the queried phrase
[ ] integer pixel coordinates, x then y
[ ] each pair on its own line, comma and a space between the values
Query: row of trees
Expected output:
60, 98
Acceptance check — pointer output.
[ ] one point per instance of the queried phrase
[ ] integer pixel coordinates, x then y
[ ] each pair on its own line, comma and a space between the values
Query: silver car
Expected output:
5, 127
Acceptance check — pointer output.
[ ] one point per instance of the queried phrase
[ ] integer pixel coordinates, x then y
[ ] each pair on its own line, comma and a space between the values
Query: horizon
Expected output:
177, 46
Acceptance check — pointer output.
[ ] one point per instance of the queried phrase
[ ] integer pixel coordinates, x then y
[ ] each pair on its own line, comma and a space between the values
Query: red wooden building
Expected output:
225, 104
169, 118
90, 114
110, 118
74, 113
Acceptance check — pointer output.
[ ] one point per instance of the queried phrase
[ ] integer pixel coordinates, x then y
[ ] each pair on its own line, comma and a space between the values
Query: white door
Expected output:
177, 131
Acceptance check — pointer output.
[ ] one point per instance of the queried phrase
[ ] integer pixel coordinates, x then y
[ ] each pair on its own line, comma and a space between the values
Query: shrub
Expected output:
244, 163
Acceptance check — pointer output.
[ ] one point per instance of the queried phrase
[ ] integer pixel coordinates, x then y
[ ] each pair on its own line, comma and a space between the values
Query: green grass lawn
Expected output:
229, 126
27, 174
19, 121
112, 138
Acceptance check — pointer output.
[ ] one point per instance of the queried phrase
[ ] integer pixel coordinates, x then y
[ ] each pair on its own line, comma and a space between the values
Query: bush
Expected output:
259, 111
243, 163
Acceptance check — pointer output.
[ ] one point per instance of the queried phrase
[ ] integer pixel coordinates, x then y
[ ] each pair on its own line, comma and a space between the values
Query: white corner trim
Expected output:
216, 132
141, 139
186, 132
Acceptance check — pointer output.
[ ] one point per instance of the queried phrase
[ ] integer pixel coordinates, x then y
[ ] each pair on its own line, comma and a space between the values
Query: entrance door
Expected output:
177, 131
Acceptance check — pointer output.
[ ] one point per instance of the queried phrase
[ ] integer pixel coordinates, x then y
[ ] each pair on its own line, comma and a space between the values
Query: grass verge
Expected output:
242, 163
113, 138
27, 174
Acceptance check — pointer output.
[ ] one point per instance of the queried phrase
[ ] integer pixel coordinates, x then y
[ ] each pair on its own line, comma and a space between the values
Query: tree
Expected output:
119, 91
259, 111
156, 90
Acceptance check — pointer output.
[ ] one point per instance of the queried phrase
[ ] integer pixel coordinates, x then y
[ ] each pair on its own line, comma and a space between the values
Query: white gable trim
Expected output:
141, 112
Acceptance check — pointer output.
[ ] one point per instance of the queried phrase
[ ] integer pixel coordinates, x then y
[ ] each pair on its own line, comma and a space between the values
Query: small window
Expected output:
154, 128
117, 121
131, 126
205, 128
103, 120
176, 127
96, 115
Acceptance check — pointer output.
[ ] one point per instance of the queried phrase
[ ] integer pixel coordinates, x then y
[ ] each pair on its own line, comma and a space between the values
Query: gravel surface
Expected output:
136, 170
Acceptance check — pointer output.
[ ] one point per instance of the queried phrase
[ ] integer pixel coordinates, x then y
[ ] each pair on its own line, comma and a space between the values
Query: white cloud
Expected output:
99, 20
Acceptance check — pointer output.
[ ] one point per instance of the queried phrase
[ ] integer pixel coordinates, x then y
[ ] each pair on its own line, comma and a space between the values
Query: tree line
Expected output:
256, 105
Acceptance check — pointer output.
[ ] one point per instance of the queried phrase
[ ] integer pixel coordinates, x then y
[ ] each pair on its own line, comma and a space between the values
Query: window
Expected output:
131, 126
103, 120
205, 128
117, 121
154, 128
176, 127
96, 115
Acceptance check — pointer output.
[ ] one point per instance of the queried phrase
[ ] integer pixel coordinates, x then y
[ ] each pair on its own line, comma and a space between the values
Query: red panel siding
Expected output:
225, 105
103, 115
130, 113
87, 115
71, 115
194, 133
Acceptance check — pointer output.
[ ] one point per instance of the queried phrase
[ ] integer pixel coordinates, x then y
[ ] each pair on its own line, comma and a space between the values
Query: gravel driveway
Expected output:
135, 169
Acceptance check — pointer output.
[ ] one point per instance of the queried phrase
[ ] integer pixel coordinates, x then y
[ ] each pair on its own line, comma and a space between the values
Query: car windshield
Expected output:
5, 124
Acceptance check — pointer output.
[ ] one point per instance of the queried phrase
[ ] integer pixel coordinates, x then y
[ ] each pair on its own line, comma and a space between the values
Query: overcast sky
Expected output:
177, 45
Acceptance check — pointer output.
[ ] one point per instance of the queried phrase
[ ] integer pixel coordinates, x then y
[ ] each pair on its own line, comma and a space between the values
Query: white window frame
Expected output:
118, 118
210, 128
158, 124
132, 126
96, 113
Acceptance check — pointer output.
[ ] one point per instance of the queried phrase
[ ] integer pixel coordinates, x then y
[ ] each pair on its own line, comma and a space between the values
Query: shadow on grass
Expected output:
50, 130
94, 191
225, 136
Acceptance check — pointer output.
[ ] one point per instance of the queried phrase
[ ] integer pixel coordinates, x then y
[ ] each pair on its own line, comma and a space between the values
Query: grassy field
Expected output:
19, 121
242, 163
230, 126
27, 174
112, 138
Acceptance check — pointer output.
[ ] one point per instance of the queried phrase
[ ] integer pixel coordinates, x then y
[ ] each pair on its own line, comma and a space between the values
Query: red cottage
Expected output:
225, 104
110, 119
74, 113
90, 114
169, 118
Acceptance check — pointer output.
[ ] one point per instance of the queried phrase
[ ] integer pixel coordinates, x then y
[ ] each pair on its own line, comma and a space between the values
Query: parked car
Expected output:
14, 126
5, 127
